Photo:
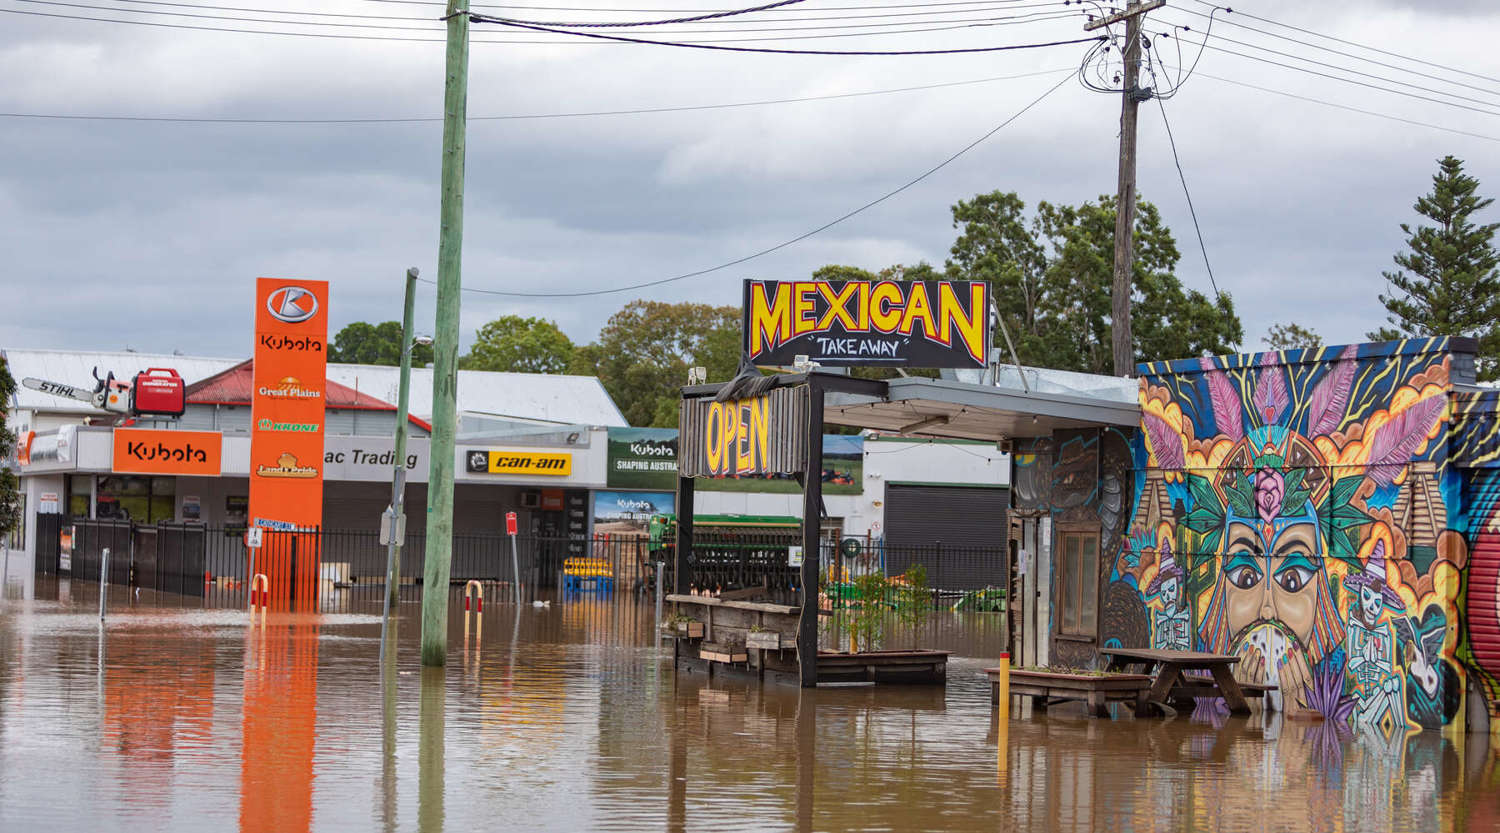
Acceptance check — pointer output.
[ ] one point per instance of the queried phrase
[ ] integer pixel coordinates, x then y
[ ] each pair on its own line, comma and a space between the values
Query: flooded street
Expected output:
567, 718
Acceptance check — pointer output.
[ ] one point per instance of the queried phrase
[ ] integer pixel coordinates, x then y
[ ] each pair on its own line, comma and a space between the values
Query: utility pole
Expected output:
445, 348
1130, 99
398, 477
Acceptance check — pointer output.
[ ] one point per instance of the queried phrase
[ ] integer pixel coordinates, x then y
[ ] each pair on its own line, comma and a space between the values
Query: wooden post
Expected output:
684, 547
439, 554
812, 516
1130, 99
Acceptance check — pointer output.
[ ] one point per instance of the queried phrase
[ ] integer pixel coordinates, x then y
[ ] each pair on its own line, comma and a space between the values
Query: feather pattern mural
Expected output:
1330, 398
1228, 418
1394, 442
1166, 442
1271, 397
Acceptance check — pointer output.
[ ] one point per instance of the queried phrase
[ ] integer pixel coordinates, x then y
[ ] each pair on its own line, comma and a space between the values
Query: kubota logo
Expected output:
292, 304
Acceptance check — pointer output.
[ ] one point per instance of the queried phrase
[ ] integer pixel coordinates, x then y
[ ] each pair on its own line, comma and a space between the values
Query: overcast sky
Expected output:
150, 234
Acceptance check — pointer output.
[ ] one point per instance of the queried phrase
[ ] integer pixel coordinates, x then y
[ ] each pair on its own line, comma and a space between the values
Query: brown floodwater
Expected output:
568, 718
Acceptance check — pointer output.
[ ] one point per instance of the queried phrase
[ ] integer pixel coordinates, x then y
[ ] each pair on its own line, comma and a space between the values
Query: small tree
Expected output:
874, 598
1291, 336
1448, 283
366, 343
519, 344
10, 491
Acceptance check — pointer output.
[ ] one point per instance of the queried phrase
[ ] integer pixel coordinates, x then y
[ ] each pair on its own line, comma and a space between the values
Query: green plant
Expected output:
872, 598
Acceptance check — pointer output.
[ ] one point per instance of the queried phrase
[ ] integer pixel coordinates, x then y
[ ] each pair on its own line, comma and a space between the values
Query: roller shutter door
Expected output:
1483, 600
958, 533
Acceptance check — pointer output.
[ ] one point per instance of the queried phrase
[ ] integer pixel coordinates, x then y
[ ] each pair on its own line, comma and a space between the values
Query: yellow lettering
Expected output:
885, 307
744, 456
971, 327
918, 308
770, 320
713, 436
838, 306
760, 423
862, 308
804, 294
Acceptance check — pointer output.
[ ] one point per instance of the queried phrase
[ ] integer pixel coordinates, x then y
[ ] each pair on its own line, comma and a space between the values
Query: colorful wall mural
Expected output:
1299, 509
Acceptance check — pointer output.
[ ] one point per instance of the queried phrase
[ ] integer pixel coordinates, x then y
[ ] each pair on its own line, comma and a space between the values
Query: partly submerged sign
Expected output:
879, 322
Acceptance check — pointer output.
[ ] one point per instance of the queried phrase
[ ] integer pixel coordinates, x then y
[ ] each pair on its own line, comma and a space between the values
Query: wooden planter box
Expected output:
1045, 687
722, 653
915, 667
691, 630
764, 640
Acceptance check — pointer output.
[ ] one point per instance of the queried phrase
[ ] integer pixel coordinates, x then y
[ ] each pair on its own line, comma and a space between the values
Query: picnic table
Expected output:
1168, 667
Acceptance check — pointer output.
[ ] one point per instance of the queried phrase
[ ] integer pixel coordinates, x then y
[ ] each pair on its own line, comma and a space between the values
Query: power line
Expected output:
1035, 17
1344, 69
799, 238
1192, 212
1350, 80
1348, 108
531, 116
693, 45
668, 22
1310, 45
1361, 45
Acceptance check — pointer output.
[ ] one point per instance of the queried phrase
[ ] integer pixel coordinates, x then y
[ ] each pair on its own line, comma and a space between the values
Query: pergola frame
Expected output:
916, 407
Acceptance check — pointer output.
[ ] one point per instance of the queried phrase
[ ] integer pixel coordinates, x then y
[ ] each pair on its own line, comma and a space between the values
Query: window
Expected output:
145, 500
1078, 583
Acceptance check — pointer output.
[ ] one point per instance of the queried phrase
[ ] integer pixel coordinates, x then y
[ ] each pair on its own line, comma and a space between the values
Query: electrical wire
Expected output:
437, 30
1361, 45
1347, 108
1192, 212
534, 116
693, 45
1231, 22
1352, 81
633, 24
779, 246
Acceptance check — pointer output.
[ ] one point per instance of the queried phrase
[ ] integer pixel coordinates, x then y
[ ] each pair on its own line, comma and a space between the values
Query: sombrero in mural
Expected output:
1166, 568
1373, 575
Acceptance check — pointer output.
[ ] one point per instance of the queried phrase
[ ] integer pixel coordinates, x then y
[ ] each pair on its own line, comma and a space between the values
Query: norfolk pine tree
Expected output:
1448, 283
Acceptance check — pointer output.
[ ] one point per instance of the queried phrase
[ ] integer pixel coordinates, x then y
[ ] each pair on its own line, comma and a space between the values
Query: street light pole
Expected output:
398, 479
445, 359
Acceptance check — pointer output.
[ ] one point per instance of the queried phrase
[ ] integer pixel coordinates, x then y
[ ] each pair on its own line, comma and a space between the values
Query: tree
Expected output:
10, 490
1052, 278
1448, 283
366, 343
644, 352
1291, 336
517, 344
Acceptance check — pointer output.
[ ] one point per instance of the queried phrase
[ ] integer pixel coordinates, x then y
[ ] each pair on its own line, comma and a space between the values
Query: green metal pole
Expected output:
445, 347
398, 478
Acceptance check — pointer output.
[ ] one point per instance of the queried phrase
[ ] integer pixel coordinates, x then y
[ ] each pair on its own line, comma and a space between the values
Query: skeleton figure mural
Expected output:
1171, 624
1371, 648
1291, 508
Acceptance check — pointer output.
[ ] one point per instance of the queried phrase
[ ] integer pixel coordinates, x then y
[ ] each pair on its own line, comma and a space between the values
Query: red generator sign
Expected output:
158, 390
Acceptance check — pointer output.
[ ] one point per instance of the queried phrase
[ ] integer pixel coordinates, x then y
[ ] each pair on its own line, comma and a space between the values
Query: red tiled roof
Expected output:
234, 386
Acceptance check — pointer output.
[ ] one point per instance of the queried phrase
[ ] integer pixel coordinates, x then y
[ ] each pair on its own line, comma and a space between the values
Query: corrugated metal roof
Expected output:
235, 386
531, 397
72, 367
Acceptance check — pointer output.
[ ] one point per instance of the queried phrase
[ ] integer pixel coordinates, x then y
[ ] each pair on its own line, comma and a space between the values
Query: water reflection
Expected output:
181, 719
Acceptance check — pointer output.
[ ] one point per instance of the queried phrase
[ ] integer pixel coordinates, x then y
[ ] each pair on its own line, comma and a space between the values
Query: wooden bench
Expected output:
1202, 685
1047, 688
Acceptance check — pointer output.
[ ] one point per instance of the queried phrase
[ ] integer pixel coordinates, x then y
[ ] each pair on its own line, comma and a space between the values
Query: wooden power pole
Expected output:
1131, 97
438, 557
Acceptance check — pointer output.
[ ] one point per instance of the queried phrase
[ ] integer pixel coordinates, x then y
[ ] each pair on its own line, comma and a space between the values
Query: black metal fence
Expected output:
214, 565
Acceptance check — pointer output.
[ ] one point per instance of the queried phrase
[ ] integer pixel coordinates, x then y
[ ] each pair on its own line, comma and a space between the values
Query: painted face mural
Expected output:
1291, 510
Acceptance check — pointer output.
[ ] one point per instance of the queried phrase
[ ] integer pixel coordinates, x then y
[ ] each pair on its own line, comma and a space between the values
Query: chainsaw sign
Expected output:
156, 391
